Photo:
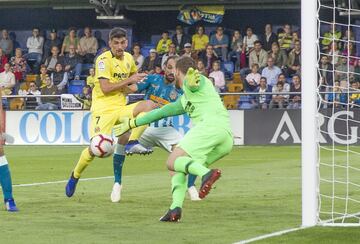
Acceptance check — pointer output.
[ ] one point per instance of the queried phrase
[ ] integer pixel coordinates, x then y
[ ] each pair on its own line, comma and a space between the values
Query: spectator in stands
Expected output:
200, 40
268, 38
220, 42
285, 38
49, 43
235, 49
170, 53
252, 80
295, 37
218, 75
354, 94
294, 60
282, 78
279, 56
249, 41
336, 95
179, 39
329, 36
49, 103
52, 60
72, 64
35, 44
138, 57
271, 72
7, 80
279, 100
357, 72
351, 53
334, 52
6, 44
88, 46
158, 70
258, 56
187, 51
90, 80
18, 65
164, 43
3, 60
341, 72
70, 39
262, 100
295, 99
31, 102
85, 97
201, 67
150, 62
209, 58
40, 79
59, 78
326, 71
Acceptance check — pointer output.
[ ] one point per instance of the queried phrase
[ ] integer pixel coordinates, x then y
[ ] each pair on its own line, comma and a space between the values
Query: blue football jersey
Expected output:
161, 93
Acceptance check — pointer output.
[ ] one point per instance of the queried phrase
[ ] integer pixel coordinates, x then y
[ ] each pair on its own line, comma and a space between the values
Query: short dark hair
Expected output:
184, 63
117, 32
257, 42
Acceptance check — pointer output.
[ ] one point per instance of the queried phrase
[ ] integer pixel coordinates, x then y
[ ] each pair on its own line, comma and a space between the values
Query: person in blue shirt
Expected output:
161, 90
220, 41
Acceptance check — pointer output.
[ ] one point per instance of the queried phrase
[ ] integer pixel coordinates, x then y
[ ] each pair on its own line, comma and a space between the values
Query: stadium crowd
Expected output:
253, 63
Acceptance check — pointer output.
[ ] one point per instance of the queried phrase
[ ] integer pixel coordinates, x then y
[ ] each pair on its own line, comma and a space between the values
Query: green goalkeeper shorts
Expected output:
207, 144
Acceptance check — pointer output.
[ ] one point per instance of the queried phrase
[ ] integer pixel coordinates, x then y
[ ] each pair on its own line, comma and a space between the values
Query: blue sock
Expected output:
5, 178
191, 180
118, 162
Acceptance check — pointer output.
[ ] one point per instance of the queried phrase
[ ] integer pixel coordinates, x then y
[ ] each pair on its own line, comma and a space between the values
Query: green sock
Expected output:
178, 186
187, 165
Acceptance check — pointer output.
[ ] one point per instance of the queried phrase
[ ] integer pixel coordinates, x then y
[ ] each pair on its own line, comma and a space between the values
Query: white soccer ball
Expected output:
102, 146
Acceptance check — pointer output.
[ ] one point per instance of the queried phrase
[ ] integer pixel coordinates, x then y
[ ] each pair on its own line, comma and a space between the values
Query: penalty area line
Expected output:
278, 233
60, 181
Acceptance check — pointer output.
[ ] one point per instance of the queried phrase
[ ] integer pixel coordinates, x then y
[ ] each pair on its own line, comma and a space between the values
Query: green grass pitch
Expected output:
259, 193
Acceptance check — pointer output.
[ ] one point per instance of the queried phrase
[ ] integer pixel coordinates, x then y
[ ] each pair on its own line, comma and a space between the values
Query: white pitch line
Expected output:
61, 181
278, 233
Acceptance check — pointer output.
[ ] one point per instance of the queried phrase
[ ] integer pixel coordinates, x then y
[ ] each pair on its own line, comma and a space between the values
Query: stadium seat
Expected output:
237, 78
230, 101
235, 87
245, 102
76, 86
228, 68
30, 78
16, 104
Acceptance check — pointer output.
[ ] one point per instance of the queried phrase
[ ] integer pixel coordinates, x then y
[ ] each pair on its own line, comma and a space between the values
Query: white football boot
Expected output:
116, 192
193, 193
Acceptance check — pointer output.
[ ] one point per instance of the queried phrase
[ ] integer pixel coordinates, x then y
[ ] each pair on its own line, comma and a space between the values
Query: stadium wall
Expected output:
250, 127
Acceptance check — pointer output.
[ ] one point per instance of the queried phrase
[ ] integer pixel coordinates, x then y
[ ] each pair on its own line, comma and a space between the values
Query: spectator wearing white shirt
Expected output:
218, 75
138, 58
7, 80
271, 72
252, 80
35, 45
279, 100
249, 40
172, 52
31, 102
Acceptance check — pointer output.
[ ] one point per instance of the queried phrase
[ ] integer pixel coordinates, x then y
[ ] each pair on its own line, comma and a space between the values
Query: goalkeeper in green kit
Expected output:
207, 141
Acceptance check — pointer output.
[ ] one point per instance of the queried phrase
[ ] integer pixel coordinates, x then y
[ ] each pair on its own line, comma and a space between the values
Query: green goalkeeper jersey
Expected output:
204, 105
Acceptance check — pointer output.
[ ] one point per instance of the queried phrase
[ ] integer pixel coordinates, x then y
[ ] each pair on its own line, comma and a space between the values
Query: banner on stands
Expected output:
192, 14
69, 101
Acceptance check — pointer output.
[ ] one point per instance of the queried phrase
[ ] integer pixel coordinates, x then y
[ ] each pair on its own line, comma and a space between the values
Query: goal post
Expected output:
309, 132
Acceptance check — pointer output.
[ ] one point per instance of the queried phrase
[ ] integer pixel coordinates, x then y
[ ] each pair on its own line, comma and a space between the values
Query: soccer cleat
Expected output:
173, 215
71, 185
10, 205
116, 192
136, 148
207, 181
193, 193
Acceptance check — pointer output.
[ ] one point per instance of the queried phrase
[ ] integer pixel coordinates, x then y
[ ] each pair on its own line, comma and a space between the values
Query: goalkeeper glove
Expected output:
125, 125
193, 78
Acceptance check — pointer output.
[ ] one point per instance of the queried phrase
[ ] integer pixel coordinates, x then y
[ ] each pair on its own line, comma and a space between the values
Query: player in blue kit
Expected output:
161, 90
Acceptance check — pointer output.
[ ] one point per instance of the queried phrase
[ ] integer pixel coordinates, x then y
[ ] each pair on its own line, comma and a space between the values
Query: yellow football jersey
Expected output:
115, 70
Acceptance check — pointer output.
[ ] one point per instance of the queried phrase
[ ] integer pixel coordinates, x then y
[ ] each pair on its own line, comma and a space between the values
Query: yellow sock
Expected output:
137, 132
85, 159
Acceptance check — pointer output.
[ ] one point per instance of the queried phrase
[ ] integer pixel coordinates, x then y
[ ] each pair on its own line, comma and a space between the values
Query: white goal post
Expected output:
331, 92
309, 153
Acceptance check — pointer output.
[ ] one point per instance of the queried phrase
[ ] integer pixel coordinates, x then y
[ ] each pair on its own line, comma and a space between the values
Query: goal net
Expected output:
338, 119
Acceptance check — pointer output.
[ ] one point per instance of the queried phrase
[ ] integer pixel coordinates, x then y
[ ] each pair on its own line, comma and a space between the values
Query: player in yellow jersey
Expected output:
115, 69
